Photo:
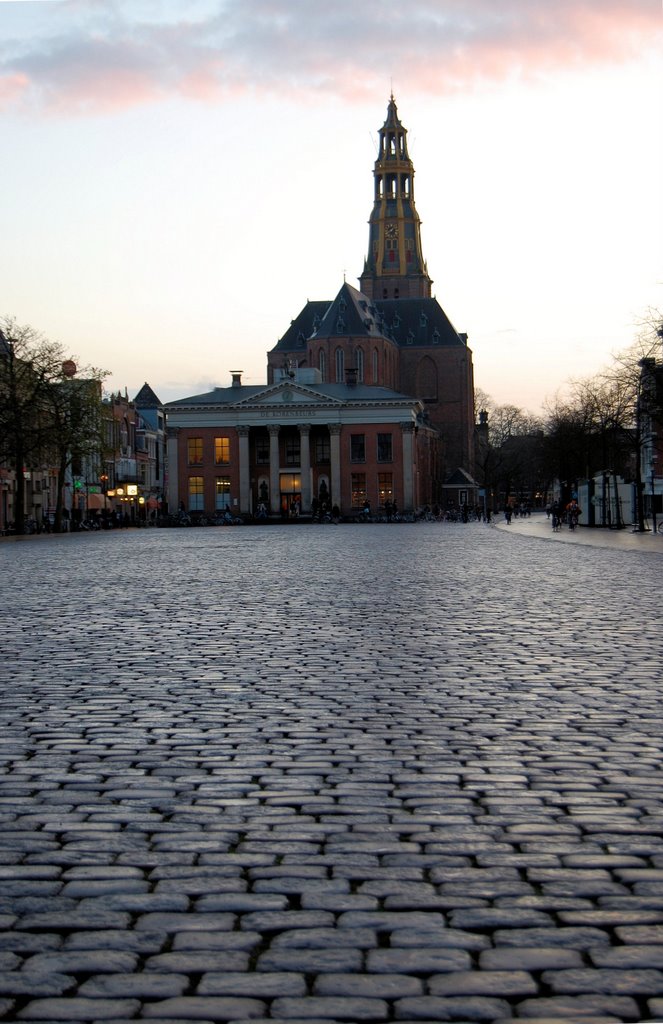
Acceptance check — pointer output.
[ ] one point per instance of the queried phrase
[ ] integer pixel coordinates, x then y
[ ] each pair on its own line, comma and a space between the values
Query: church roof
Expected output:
351, 313
146, 398
303, 326
408, 322
419, 322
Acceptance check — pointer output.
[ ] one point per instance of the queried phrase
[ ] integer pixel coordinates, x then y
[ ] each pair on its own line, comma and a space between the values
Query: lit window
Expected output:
196, 496
358, 489
385, 487
221, 450
222, 492
195, 451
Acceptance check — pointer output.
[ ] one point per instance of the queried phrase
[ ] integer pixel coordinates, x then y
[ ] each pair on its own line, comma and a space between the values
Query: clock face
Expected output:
391, 231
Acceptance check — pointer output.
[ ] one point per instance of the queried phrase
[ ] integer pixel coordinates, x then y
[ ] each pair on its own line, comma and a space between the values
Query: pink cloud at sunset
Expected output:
94, 58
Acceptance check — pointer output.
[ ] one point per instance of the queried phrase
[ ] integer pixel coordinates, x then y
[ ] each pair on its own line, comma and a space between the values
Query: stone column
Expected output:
305, 464
335, 458
274, 466
407, 430
244, 471
172, 495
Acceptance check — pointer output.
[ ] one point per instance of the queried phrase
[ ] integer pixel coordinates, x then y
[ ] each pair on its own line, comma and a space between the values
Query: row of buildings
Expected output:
369, 398
368, 401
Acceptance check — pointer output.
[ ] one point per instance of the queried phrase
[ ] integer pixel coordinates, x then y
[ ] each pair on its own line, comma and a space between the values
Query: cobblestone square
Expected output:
391, 772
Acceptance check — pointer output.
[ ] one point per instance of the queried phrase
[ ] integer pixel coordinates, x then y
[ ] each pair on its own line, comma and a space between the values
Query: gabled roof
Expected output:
246, 397
219, 396
146, 398
408, 322
460, 478
351, 313
418, 322
303, 326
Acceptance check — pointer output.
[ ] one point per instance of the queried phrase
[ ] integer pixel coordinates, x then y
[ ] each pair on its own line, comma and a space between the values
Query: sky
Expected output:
178, 177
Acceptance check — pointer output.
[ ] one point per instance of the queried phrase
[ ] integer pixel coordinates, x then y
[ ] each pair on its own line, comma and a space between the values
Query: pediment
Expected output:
287, 393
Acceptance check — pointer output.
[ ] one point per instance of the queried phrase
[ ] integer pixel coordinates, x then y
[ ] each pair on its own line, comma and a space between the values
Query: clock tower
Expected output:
394, 267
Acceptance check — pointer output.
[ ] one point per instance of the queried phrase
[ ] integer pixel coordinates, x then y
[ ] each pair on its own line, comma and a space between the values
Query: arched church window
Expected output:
359, 362
322, 364
340, 366
375, 367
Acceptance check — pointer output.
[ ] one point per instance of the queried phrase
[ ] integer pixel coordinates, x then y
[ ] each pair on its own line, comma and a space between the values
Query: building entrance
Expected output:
291, 494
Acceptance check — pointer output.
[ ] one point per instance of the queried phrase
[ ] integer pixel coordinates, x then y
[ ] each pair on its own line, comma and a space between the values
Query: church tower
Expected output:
394, 267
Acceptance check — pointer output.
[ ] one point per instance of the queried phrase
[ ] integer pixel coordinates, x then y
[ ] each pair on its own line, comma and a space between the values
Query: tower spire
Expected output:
394, 266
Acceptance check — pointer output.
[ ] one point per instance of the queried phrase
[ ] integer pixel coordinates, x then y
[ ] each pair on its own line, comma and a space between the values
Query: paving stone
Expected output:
35, 983
453, 938
25, 942
438, 1008
144, 985
203, 940
276, 921
417, 961
263, 985
605, 980
78, 1009
569, 938
311, 961
325, 938
82, 961
351, 1008
580, 1007
116, 939
380, 986
518, 958
185, 922
390, 921
194, 962
213, 1008
482, 983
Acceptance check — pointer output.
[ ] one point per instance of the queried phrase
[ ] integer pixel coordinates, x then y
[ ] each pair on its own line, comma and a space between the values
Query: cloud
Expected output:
96, 57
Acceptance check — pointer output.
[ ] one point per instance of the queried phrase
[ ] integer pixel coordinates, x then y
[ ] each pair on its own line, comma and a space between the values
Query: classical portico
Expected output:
292, 444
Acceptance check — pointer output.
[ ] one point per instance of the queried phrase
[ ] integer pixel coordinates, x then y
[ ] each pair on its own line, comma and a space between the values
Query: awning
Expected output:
95, 502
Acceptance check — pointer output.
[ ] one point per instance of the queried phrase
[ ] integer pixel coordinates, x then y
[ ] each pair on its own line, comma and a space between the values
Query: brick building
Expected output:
368, 396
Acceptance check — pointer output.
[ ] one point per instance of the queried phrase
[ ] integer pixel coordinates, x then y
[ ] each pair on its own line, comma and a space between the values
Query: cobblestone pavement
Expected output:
330, 774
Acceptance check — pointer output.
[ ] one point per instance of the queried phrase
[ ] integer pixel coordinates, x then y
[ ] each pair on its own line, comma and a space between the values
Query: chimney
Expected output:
351, 377
237, 378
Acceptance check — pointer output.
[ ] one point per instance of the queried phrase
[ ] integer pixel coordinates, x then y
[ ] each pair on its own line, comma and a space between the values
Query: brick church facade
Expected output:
369, 396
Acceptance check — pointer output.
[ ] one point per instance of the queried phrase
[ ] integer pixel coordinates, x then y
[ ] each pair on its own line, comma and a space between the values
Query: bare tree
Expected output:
43, 416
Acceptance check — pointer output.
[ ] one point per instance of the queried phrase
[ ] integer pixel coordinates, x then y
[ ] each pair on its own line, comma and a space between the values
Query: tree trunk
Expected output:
19, 496
62, 469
